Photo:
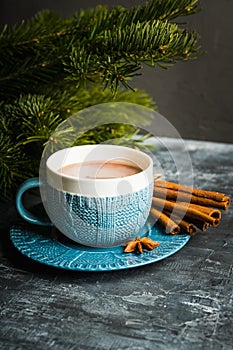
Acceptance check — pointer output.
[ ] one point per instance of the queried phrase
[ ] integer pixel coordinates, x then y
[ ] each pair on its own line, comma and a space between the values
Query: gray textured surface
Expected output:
194, 96
183, 302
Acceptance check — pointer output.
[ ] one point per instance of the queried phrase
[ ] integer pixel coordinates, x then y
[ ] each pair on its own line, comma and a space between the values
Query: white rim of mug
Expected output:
62, 175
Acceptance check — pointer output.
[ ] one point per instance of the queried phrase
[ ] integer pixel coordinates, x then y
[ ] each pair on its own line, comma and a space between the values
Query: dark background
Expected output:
195, 96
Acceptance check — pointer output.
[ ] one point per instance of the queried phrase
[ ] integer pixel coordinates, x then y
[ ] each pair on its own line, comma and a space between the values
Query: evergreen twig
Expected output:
52, 67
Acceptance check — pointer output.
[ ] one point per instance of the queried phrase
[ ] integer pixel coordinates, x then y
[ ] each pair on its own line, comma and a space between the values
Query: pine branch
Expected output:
162, 10
123, 50
51, 67
155, 40
13, 165
75, 48
27, 124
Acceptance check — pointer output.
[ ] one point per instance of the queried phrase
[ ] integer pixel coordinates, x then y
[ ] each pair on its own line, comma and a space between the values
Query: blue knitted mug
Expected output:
92, 210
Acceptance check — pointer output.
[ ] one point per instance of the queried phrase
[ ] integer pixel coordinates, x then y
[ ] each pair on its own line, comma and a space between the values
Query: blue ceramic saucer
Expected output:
50, 247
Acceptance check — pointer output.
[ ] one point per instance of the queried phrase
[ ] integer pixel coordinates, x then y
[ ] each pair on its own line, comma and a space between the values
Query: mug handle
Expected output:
24, 213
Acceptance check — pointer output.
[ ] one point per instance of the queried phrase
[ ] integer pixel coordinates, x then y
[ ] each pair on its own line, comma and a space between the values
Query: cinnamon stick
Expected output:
202, 225
214, 213
217, 196
189, 197
185, 210
184, 225
169, 225
187, 227
166, 193
189, 208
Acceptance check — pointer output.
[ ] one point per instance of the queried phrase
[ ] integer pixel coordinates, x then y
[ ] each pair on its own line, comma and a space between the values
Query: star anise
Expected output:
139, 244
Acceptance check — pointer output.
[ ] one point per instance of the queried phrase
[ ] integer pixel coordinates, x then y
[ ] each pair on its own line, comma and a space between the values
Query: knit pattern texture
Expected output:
99, 221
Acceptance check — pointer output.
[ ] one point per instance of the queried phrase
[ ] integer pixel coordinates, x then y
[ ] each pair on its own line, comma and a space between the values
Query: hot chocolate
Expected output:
101, 169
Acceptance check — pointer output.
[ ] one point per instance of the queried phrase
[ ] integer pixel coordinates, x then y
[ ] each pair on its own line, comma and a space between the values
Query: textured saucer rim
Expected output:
69, 255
